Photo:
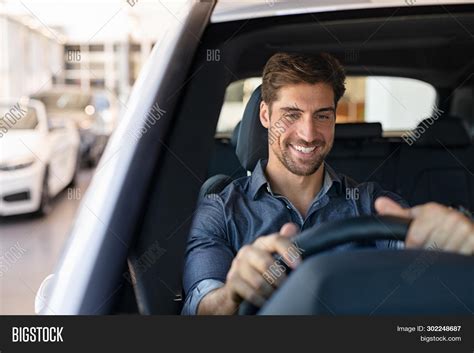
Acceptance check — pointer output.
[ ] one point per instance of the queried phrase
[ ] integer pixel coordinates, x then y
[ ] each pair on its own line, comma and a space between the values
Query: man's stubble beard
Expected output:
287, 161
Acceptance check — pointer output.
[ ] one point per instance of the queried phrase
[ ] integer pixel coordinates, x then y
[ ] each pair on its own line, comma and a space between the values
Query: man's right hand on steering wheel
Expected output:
254, 273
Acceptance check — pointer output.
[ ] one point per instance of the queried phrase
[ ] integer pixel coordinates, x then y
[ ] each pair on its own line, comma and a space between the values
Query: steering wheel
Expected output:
328, 235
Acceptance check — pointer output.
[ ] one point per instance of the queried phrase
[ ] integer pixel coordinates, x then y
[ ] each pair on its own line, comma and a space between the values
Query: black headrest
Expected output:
357, 130
235, 135
252, 142
449, 130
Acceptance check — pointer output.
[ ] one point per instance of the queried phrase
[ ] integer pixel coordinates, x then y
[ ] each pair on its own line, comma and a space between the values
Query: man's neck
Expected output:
300, 190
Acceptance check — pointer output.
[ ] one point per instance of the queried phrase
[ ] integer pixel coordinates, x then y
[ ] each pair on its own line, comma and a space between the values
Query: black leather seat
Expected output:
251, 144
224, 159
439, 166
361, 152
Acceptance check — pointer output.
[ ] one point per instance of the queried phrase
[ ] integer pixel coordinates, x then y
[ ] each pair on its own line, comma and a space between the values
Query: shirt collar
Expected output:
333, 178
258, 179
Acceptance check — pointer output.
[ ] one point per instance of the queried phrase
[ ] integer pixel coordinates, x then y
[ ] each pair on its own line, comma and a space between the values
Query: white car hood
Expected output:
18, 144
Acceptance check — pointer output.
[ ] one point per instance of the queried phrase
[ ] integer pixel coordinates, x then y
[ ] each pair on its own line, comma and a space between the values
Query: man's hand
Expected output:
433, 225
254, 275
251, 276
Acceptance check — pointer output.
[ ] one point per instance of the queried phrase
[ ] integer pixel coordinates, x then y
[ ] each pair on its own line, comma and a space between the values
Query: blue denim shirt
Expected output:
247, 208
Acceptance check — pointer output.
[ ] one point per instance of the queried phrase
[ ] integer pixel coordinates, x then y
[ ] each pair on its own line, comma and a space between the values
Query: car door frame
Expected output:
90, 270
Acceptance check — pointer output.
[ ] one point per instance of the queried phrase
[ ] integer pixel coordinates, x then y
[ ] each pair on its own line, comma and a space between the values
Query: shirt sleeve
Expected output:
209, 254
195, 296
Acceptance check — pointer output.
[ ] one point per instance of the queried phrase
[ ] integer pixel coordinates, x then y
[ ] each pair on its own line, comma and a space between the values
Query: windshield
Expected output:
17, 117
64, 101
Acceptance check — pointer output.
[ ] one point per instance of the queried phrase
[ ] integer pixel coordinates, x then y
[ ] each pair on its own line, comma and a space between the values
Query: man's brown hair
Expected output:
284, 68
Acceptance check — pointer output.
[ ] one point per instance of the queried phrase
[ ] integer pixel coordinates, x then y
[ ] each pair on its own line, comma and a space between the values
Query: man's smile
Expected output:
304, 151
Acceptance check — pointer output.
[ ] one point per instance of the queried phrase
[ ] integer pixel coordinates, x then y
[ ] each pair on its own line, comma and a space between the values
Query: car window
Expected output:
398, 103
236, 97
17, 117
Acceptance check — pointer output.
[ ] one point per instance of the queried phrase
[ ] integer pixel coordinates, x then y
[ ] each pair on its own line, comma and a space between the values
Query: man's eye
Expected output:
292, 116
323, 117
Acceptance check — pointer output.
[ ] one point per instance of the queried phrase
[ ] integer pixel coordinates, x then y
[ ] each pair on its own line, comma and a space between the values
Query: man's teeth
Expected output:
304, 149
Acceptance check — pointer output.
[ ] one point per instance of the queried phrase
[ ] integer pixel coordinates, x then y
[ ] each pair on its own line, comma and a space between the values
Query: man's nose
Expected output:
307, 129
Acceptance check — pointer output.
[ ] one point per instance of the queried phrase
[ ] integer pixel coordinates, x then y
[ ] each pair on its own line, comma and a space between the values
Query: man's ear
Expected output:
264, 114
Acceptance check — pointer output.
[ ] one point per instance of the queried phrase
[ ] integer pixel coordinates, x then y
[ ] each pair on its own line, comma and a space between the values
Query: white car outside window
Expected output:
37, 159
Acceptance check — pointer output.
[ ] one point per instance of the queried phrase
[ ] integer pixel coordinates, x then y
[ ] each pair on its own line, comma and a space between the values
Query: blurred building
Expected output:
113, 65
30, 56
88, 44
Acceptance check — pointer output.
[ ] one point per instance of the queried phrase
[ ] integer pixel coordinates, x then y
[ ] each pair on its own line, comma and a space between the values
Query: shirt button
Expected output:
288, 207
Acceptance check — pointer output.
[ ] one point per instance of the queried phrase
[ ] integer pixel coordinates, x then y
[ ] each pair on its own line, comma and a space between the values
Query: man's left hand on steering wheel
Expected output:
433, 226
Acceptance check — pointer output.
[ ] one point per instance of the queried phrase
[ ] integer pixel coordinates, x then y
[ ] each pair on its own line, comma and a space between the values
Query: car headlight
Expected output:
17, 164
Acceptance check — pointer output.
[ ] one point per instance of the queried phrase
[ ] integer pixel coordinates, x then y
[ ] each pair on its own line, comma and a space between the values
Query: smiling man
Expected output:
234, 233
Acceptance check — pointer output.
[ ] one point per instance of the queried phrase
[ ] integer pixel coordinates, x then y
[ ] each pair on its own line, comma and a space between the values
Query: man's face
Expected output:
301, 126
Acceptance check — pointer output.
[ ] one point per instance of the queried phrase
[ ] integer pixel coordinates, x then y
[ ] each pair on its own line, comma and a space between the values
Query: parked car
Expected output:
126, 249
38, 157
93, 111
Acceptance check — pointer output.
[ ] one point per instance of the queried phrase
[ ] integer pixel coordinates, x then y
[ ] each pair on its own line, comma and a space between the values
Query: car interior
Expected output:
418, 172
427, 43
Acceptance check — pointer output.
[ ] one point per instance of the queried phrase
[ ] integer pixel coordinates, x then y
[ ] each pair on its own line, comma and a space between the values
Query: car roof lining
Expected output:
230, 10
436, 48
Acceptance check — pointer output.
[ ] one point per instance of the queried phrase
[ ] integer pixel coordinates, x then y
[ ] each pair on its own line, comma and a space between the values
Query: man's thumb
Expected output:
289, 230
386, 206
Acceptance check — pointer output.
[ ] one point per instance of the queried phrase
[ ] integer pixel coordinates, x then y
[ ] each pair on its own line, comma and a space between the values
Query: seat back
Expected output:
439, 166
360, 152
224, 160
